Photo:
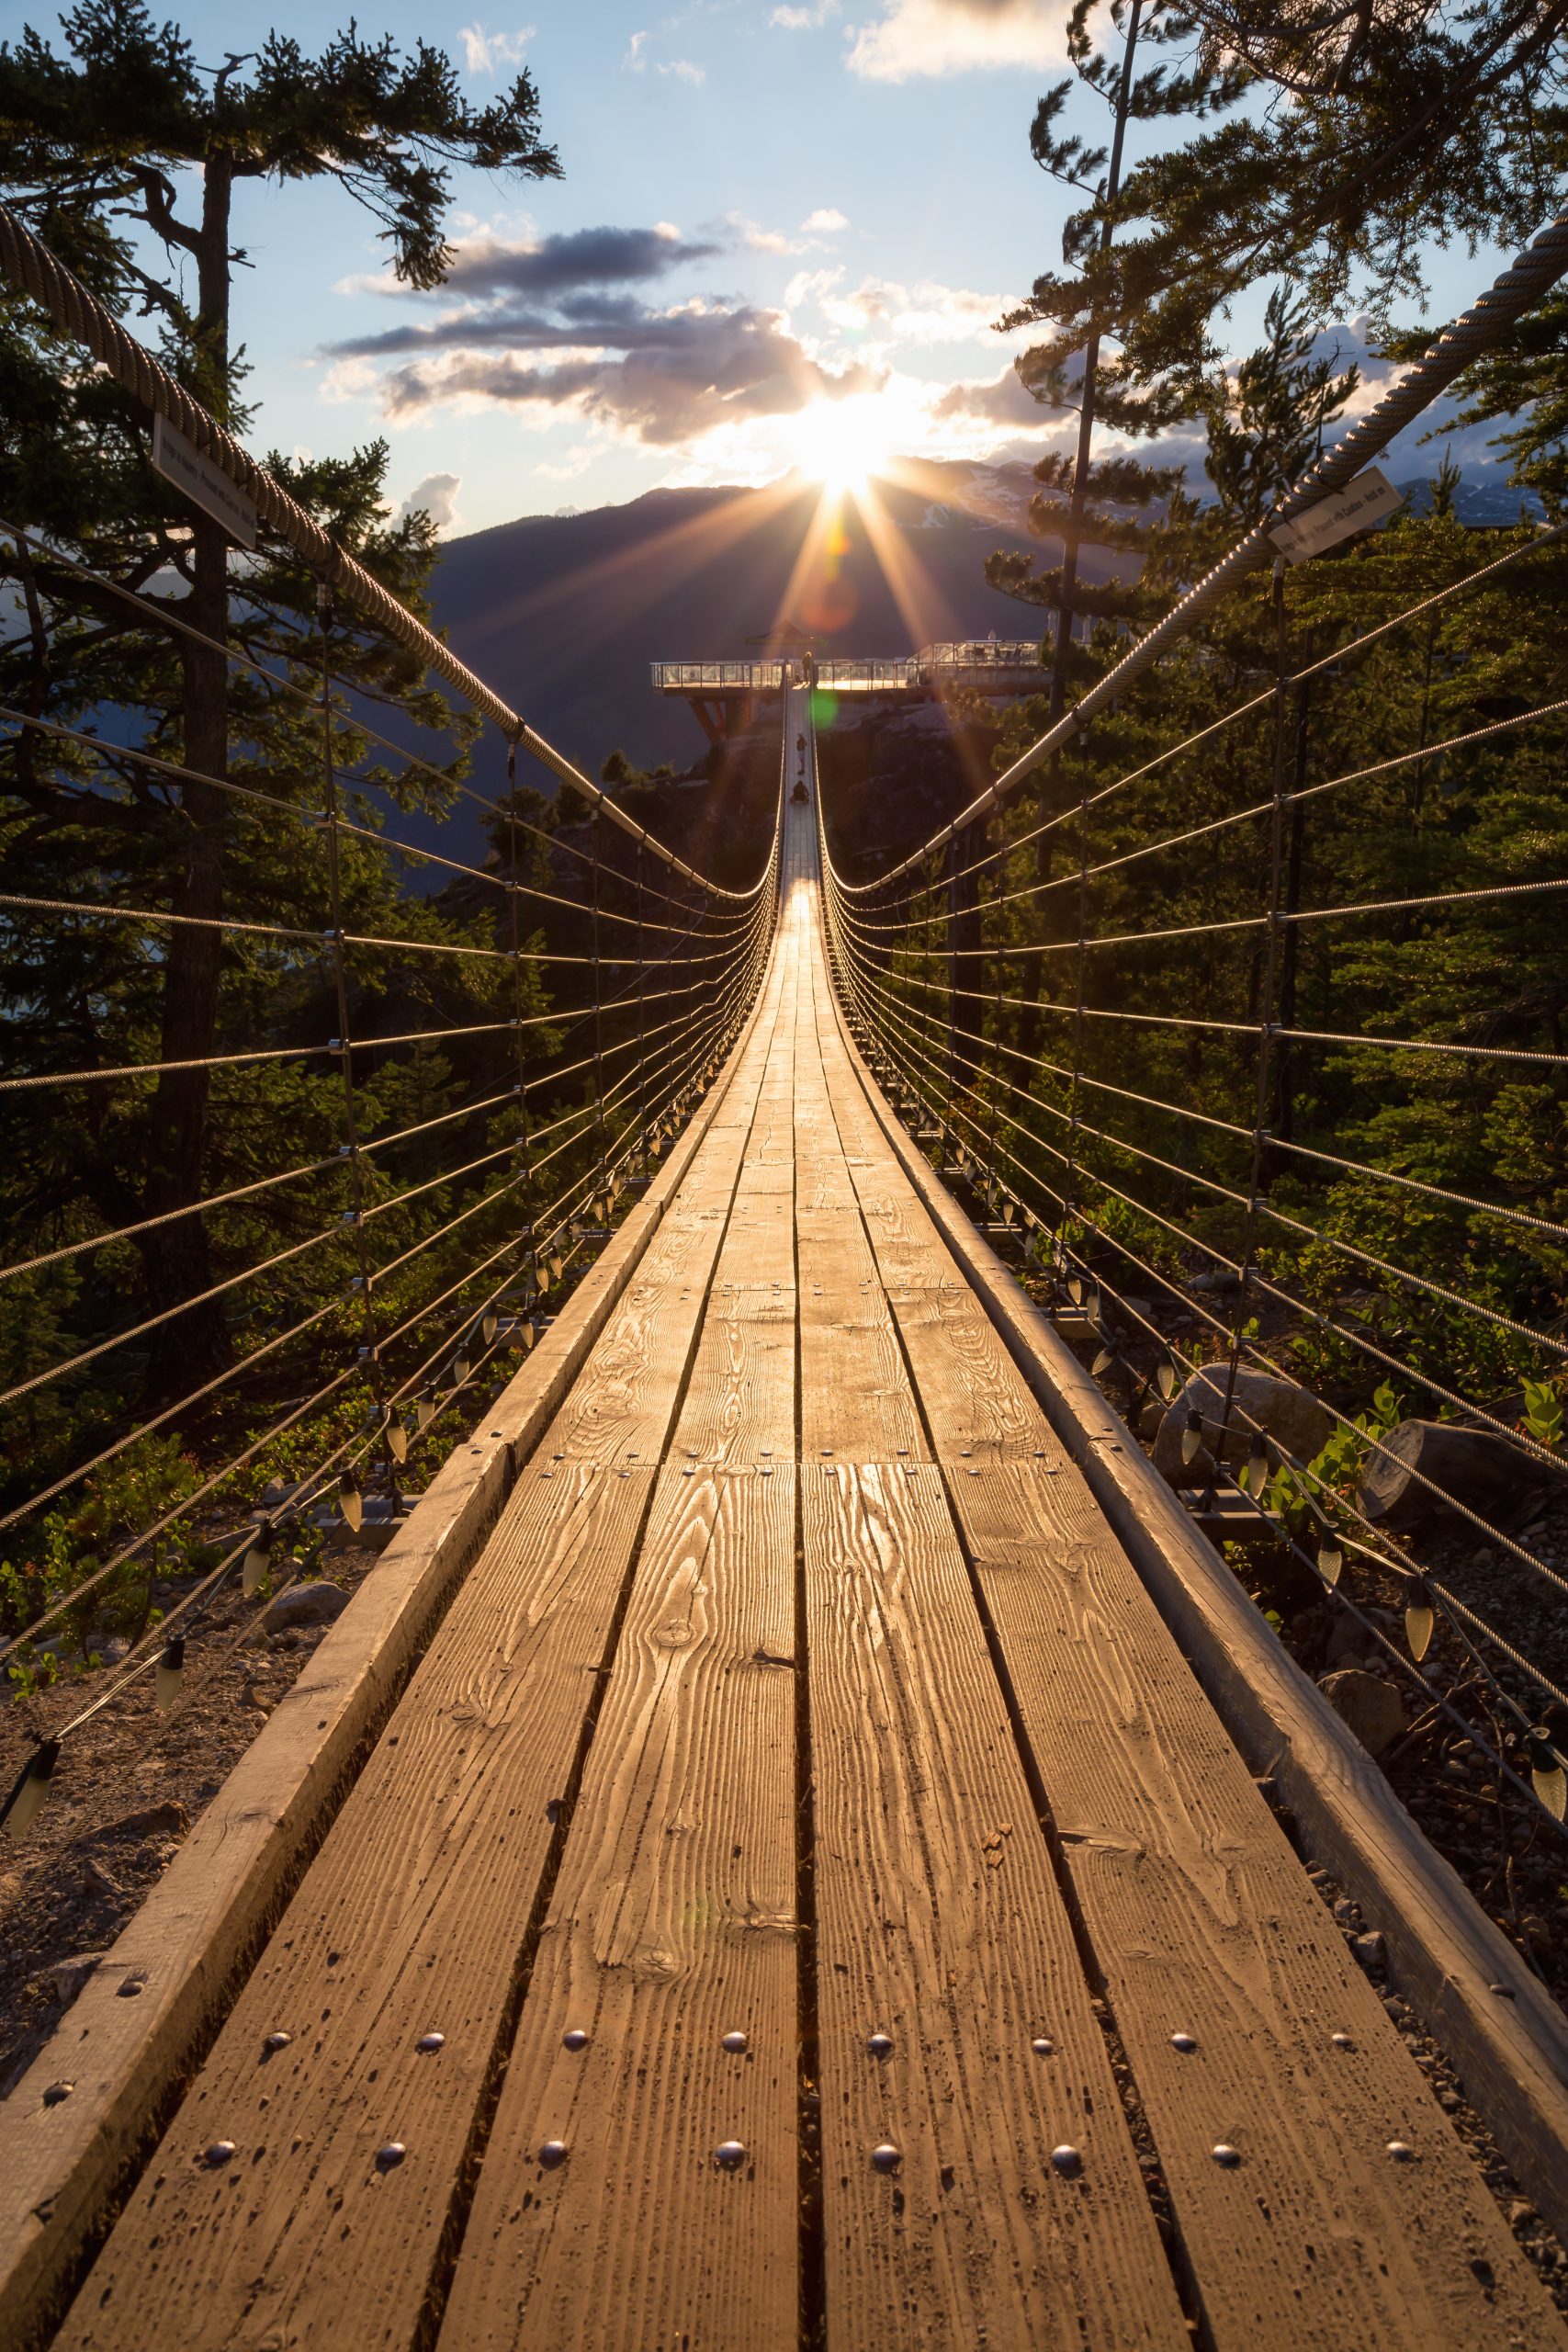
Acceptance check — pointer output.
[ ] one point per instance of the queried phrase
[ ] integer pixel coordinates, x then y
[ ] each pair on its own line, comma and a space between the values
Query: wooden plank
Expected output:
939, 1923
432, 1784
1202, 1924
61, 2163
672, 1925
978, 1409
414, 1919
1512, 2053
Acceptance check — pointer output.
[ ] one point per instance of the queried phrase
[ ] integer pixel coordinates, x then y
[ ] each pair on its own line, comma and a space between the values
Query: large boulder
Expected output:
1290, 1416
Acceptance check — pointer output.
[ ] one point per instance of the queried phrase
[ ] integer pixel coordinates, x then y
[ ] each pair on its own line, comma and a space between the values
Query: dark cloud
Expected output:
664, 376
578, 257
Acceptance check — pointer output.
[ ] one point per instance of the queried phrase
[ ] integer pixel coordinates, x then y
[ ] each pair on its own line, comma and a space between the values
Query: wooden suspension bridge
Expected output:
800, 1894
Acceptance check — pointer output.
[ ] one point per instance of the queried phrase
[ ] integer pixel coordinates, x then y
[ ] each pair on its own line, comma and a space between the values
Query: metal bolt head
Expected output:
1342, 2041
575, 2039
431, 2042
279, 2041
1066, 2161
552, 2154
880, 2045
1042, 2047
1400, 2154
735, 2044
730, 2153
1223, 2153
390, 2157
1185, 2042
886, 2158
219, 2152
56, 2092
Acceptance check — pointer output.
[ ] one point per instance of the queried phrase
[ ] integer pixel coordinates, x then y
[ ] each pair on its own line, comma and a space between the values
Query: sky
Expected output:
784, 232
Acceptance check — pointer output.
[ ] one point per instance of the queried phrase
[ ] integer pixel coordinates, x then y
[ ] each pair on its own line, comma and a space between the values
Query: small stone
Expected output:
390, 2157
279, 2041
1519, 2211
1223, 2153
730, 2153
1400, 2154
219, 2152
886, 2157
1372, 1951
68, 1976
552, 2154
1342, 2041
430, 2042
1066, 2160
735, 2044
576, 2038
880, 2045
1185, 2042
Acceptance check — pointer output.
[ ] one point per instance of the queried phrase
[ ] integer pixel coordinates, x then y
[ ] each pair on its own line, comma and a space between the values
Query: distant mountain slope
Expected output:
562, 614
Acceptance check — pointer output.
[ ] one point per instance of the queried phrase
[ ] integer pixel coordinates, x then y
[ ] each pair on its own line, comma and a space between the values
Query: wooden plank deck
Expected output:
808, 1846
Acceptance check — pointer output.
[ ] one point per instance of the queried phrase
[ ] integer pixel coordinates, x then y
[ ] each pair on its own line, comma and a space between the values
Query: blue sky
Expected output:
813, 213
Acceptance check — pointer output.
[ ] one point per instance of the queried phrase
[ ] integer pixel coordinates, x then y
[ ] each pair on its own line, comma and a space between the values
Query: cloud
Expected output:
488, 53
825, 218
663, 377
998, 400
882, 315
576, 258
928, 37
683, 70
437, 494
800, 21
634, 60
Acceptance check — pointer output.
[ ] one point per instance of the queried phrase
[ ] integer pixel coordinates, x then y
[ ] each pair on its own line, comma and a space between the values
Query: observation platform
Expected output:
726, 695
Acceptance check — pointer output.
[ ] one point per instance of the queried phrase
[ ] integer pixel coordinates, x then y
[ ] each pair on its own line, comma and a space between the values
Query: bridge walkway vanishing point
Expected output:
801, 1895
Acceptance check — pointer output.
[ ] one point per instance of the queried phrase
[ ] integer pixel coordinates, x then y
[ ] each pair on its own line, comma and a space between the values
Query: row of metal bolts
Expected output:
731, 2153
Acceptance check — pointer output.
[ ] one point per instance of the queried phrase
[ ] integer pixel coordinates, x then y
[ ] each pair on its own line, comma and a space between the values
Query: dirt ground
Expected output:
126, 1790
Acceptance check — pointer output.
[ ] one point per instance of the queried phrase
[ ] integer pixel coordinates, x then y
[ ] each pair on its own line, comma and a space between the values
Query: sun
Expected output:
844, 443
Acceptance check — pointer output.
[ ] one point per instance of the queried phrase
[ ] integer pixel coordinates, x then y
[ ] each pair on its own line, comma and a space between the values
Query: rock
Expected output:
304, 1604
1484, 1471
1371, 1952
169, 1820
68, 1976
1292, 1416
1149, 1420
1372, 1708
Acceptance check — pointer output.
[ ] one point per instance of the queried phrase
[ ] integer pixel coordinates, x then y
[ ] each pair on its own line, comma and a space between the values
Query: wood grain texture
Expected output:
672, 1924
939, 1922
1511, 2055
1202, 1924
61, 2164
411, 1920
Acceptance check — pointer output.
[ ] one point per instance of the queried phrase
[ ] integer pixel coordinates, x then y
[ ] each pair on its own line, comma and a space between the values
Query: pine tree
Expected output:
1071, 504
115, 129
1374, 134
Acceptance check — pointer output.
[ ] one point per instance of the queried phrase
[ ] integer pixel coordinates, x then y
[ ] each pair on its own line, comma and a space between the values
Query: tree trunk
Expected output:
190, 1348
1476, 1468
